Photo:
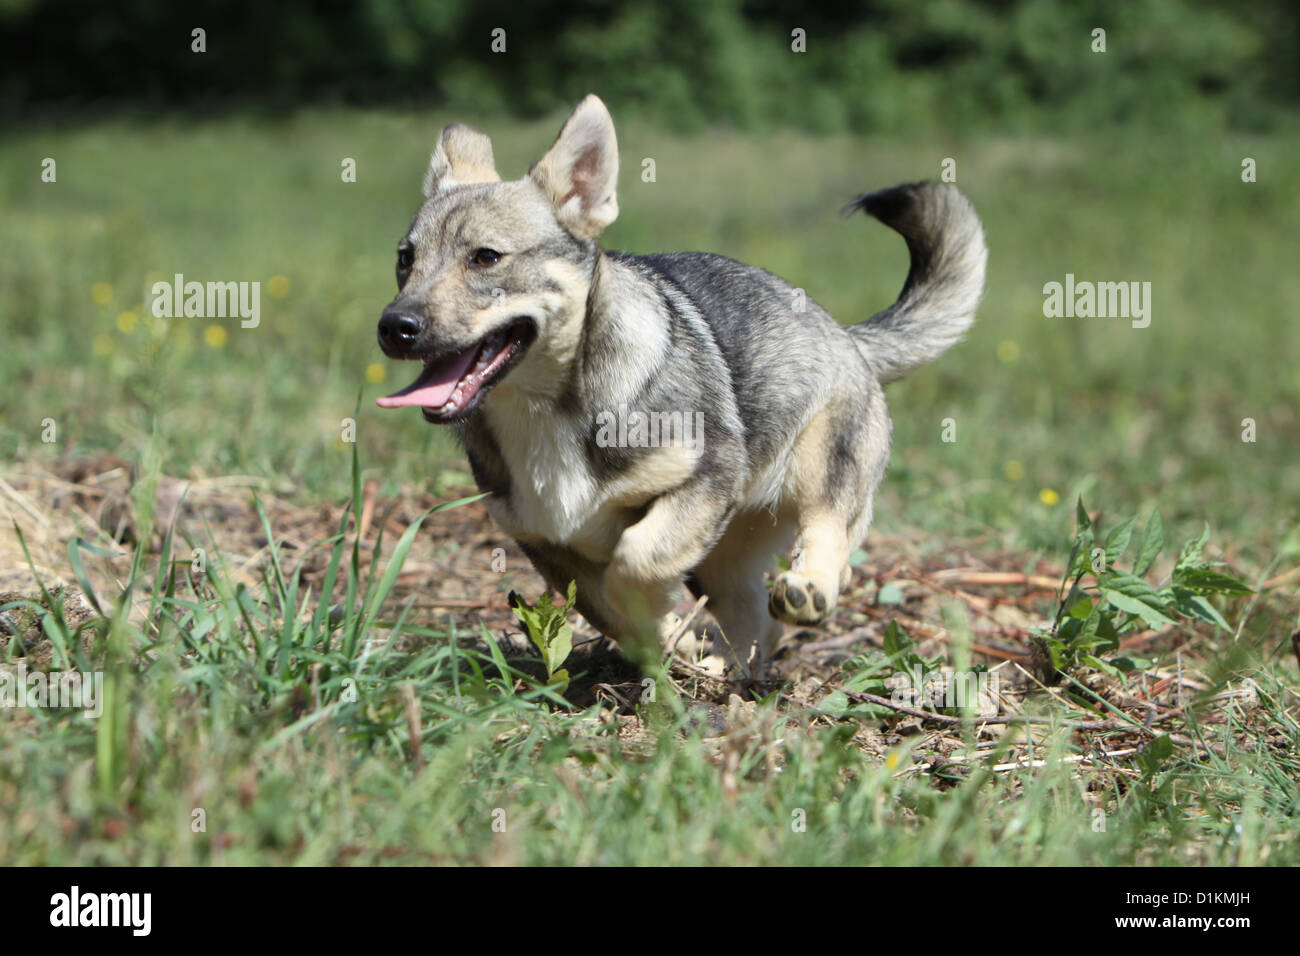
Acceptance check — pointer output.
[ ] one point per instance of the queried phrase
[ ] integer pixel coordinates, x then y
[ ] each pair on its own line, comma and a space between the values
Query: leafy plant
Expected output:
871, 674
1094, 614
550, 631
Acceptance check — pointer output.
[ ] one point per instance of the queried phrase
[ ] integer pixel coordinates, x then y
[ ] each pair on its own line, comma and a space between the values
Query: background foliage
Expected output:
876, 66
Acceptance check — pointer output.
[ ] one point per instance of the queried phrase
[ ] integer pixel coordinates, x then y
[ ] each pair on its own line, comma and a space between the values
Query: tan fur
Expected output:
463, 156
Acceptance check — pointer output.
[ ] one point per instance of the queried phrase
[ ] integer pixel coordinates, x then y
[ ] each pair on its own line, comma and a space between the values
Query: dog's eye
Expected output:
405, 259
482, 258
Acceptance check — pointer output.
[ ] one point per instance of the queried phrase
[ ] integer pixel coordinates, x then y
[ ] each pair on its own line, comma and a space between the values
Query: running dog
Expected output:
640, 422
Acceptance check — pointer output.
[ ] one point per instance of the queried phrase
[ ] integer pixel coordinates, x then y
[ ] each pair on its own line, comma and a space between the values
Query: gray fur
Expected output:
796, 434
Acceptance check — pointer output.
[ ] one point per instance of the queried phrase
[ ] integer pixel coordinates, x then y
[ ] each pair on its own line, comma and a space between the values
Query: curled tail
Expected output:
944, 283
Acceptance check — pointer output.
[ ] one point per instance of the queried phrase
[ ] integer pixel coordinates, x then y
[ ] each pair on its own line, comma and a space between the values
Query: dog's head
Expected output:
493, 276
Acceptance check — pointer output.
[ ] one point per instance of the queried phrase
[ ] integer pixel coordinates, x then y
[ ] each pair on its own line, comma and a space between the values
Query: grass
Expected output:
1151, 416
233, 695
263, 725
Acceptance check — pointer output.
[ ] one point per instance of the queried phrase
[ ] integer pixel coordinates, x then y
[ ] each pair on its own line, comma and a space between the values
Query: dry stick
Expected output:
979, 605
1027, 763
681, 627
836, 643
19, 499
367, 510
959, 577
866, 698
91, 491
1181, 703
413, 724
613, 692
491, 601
1140, 638
1274, 582
683, 662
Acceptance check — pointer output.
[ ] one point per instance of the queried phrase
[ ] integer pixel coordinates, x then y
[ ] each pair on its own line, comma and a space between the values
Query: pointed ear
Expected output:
579, 172
463, 156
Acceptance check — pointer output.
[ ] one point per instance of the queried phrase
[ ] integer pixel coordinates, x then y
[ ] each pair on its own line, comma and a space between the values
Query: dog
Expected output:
554, 360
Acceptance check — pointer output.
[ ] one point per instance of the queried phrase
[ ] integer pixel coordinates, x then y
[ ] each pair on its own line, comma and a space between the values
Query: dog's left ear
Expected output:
579, 173
463, 156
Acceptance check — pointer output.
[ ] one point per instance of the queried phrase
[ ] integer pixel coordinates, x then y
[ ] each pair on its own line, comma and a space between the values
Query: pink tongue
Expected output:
435, 384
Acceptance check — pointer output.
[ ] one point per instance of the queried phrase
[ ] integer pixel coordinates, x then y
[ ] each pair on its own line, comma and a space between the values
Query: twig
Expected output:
367, 510
610, 689
836, 643
1275, 581
992, 579
866, 698
681, 627
413, 724
1073, 758
493, 600
683, 662
23, 503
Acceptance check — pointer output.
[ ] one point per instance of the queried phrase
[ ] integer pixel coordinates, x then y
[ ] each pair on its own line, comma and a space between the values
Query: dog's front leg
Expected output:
644, 577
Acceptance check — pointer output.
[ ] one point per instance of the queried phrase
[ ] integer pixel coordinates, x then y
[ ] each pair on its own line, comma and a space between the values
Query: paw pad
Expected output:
796, 600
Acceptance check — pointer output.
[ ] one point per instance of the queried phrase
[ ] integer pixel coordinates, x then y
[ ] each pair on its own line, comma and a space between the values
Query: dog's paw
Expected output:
796, 600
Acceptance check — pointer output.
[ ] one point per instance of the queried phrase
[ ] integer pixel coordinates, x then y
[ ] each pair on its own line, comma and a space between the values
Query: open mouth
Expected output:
452, 386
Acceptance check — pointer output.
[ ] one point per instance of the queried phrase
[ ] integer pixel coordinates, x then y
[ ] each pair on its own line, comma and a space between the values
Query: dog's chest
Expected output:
554, 496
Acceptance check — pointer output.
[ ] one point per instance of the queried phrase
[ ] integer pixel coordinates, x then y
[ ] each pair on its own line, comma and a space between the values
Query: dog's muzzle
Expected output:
455, 376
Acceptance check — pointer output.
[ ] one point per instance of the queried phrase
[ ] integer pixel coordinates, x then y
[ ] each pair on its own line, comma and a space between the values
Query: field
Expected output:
330, 682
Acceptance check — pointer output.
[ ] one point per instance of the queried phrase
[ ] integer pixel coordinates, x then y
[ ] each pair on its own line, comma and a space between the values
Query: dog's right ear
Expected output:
579, 172
463, 156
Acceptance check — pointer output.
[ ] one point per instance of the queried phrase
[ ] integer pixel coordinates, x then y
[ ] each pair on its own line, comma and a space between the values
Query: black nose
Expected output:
398, 332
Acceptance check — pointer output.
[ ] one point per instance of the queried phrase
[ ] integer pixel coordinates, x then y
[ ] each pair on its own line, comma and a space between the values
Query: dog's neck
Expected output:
602, 346
624, 336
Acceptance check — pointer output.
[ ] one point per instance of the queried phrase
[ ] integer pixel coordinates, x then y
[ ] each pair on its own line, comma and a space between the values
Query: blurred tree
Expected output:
878, 64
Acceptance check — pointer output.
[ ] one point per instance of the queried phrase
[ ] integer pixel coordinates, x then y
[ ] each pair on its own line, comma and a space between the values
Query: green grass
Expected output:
212, 697
1147, 416
263, 725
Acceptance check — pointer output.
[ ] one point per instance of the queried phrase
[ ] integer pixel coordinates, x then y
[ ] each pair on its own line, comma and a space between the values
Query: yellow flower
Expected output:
215, 335
1048, 497
1014, 470
376, 372
1008, 352
893, 760
278, 287
126, 321
104, 345
101, 292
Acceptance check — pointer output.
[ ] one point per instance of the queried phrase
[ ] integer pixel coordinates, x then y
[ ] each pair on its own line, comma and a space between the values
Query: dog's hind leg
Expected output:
733, 577
836, 465
810, 589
